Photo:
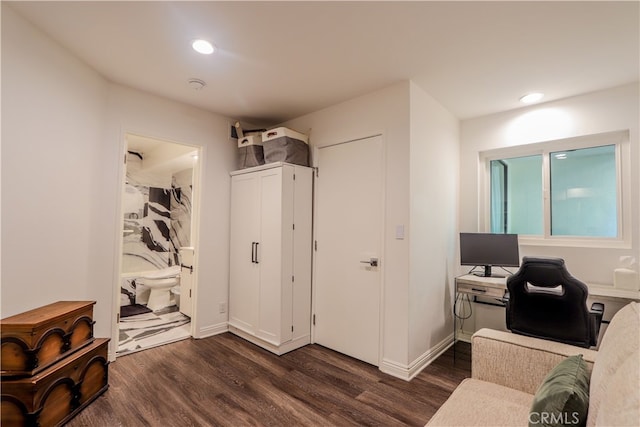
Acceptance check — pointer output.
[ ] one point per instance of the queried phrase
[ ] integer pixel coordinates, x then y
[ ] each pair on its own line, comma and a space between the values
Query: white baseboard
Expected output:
407, 372
209, 331
274, 348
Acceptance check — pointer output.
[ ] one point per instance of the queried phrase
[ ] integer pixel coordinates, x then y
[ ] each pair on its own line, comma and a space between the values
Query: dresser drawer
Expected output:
33, 340
56, 394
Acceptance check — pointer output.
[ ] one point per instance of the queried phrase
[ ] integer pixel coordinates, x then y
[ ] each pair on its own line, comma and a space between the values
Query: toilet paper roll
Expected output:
625, 278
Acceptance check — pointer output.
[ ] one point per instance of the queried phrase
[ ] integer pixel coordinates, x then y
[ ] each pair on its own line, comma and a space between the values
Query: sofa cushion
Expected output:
612, 378
563, 396
480, 403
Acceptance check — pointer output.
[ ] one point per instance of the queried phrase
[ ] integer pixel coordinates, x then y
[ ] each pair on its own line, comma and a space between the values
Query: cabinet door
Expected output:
245, 234
276, 223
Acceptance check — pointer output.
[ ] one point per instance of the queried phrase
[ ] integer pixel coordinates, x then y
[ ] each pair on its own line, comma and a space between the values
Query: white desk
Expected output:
496, 288
474, 286
613, 293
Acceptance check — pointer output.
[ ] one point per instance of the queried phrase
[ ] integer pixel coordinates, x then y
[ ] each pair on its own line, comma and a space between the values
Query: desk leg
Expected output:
455, 301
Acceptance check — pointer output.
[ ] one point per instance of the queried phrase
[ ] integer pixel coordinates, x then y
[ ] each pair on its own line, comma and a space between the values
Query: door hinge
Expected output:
294, 226
189, 293
315, 245
293, 278
118, 318
125, 158
291, 328
294, 176
317, 172
314, 320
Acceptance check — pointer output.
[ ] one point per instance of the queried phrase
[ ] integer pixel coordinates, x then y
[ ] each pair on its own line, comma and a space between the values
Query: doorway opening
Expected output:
157, 258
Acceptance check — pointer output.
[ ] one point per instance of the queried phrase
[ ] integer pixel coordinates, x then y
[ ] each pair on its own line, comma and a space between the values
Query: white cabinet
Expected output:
270, 256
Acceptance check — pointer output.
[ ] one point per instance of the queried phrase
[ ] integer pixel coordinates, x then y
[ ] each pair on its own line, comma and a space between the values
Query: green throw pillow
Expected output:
563, 397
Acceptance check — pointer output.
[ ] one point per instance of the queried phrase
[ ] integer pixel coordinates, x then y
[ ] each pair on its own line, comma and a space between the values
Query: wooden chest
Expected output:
33, 340
56, 394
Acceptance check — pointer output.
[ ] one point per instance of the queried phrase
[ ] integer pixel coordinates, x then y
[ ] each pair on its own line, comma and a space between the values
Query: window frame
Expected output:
620, 139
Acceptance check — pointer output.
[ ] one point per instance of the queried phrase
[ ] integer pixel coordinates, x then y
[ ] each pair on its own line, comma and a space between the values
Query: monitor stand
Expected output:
488, 273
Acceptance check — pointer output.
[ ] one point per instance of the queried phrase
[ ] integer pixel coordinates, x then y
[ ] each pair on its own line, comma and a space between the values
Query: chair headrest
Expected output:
544, 272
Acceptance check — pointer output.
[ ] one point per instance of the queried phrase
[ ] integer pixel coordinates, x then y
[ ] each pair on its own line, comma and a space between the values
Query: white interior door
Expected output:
349, 234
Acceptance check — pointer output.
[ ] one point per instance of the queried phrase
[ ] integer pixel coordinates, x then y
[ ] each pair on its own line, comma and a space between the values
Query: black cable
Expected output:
460, 302
510, 272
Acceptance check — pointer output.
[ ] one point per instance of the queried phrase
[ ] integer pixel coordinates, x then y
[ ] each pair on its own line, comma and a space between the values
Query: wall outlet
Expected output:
222, 307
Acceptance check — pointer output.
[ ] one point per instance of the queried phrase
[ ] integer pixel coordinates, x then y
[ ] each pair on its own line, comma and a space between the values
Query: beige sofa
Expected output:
507, 369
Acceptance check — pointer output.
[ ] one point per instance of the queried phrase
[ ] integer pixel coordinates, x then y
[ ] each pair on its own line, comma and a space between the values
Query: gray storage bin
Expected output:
285, 145
250, 152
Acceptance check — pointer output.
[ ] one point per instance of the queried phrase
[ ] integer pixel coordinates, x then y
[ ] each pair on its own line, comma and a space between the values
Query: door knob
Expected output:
373, 262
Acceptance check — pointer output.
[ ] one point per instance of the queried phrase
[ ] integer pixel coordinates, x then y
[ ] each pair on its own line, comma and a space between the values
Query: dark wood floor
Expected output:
226, 381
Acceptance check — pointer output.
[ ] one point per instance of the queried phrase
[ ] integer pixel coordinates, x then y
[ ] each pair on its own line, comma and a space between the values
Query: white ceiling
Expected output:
280, 60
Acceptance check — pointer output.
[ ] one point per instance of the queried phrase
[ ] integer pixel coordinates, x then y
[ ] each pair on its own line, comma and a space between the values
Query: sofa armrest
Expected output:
518, 361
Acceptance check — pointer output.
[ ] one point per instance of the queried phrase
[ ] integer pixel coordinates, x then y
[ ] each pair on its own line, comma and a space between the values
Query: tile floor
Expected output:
149, 330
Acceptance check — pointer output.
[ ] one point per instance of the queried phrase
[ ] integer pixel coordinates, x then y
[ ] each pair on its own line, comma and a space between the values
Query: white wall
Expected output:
434, 154
62, 133
132, 111
385, 111
53, 118
604, 111
421, 151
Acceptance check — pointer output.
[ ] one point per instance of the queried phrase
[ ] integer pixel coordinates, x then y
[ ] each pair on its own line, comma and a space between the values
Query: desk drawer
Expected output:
480, 290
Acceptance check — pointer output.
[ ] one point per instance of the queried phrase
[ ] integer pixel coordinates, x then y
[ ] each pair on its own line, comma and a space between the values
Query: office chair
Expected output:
546, 301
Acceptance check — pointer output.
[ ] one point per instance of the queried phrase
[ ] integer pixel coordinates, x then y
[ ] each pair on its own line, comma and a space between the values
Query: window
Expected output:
584, 192
559, 190
516, 195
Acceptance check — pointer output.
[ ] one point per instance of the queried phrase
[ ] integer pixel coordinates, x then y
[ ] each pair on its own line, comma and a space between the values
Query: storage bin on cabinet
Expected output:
250, 151
285, 145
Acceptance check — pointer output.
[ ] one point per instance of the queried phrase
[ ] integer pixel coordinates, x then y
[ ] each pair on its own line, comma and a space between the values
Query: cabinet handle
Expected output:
257, 262
253, 251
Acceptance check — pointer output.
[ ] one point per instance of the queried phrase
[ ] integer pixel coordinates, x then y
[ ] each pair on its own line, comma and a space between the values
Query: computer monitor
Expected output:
489, 250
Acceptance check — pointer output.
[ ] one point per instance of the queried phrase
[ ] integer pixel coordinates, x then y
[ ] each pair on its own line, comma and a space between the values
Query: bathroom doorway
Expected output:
157, 259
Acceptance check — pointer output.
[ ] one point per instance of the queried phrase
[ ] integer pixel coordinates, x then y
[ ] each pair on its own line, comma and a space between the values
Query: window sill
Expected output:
574, 242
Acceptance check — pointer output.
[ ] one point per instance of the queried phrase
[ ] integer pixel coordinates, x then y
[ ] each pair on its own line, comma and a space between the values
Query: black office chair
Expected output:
546, 301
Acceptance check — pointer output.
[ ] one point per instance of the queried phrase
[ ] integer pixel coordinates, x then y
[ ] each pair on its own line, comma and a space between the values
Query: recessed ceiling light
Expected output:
203, 47
531, 97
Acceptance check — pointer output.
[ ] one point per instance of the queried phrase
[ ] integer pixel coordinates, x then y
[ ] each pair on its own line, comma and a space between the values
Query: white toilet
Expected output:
160, 283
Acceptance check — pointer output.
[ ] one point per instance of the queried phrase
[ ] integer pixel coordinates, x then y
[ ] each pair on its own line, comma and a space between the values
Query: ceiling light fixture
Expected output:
530, 98
203, 47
